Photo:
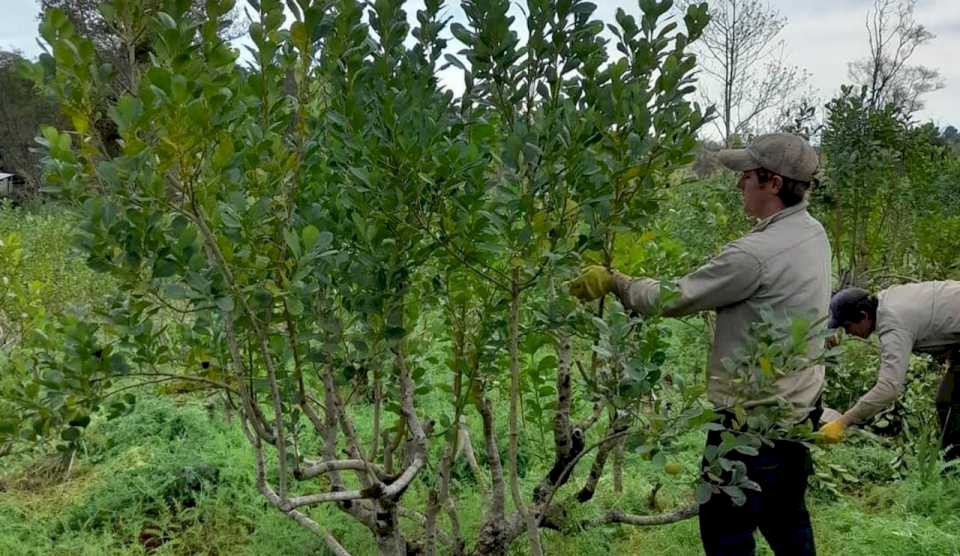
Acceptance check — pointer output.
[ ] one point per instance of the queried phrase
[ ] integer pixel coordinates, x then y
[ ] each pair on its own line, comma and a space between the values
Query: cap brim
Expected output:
738, 160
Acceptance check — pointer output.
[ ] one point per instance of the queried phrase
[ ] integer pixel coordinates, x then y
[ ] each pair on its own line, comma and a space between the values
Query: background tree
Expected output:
951, 137
331, 210
123, 37
885, 178
894, 35
265, 235
748, 78
22, 112
885, 183
801, 117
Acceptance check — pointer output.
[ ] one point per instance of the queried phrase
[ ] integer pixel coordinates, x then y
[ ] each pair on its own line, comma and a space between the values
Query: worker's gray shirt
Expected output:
923, 317
782, 265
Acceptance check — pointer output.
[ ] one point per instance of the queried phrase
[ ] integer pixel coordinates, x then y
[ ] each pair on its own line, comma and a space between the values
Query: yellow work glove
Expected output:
593, 283
832, 432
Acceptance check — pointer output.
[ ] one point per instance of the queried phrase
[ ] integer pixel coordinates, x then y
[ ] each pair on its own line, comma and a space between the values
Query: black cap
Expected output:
846, 305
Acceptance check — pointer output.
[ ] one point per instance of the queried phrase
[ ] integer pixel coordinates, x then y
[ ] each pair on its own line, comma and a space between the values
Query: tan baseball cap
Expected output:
785, 154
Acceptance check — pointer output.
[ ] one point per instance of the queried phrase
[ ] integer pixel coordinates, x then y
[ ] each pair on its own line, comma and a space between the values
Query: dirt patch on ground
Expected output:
44, 485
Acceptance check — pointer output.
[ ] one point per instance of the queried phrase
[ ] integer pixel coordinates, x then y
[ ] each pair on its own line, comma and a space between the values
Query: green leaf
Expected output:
736, 494
652, 10
703, 492
225, 304
161, 79
361, 174
454, 61
118, 365
80, 421
176, 291
295, 306
70, 434
229, 216
444, 420
222, 56
338, 119
63, 143
164, 268
126, 112
179, 88
298, 32
324, 241
462, 34
223, 153
167, 21
584, 8
696, 20
293, 242
548, 363
108, 11
310, 236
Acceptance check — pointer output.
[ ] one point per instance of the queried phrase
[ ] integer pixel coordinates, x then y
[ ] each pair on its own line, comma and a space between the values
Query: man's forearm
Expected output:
880, 397
637, 294
847, 419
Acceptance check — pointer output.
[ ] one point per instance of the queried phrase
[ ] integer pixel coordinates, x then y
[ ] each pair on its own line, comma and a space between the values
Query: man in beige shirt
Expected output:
782, 265
922, 318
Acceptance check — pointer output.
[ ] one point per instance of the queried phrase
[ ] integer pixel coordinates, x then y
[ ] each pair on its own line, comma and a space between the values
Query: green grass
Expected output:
129, 488
46, 234
176, 477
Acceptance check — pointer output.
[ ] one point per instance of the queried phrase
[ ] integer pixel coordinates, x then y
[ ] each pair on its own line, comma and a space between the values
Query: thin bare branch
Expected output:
316, 469
619, 516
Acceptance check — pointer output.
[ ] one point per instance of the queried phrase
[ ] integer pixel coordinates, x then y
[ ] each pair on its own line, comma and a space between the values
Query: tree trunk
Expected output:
391, 543
618, 457
532, 529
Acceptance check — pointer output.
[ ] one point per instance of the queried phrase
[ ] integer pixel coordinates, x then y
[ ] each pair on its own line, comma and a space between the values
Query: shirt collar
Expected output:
789, 211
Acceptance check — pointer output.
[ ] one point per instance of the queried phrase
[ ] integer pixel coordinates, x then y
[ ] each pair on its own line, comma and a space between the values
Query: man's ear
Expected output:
776, 182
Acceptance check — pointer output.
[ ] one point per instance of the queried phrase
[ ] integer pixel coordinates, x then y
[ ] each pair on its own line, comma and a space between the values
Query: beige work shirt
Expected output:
783, 265
924, 318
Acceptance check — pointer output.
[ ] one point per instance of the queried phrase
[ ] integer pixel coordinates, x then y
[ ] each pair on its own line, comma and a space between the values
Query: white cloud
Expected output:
18, 26
824, 37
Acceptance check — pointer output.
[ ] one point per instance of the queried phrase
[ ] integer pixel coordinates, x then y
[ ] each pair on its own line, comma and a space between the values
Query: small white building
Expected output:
6, 185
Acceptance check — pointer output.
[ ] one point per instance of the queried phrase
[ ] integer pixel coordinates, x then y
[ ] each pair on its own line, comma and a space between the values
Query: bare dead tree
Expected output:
894, 34
745, 66
801, 118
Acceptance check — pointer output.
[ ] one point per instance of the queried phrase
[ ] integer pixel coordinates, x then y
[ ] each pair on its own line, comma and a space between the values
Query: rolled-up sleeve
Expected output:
730, 277
896, 345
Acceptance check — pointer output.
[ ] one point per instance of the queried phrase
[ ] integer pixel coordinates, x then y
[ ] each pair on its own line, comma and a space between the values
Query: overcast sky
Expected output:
822, 36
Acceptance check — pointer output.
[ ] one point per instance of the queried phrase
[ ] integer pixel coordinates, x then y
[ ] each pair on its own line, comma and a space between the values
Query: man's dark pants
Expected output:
948, 406
778, 510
